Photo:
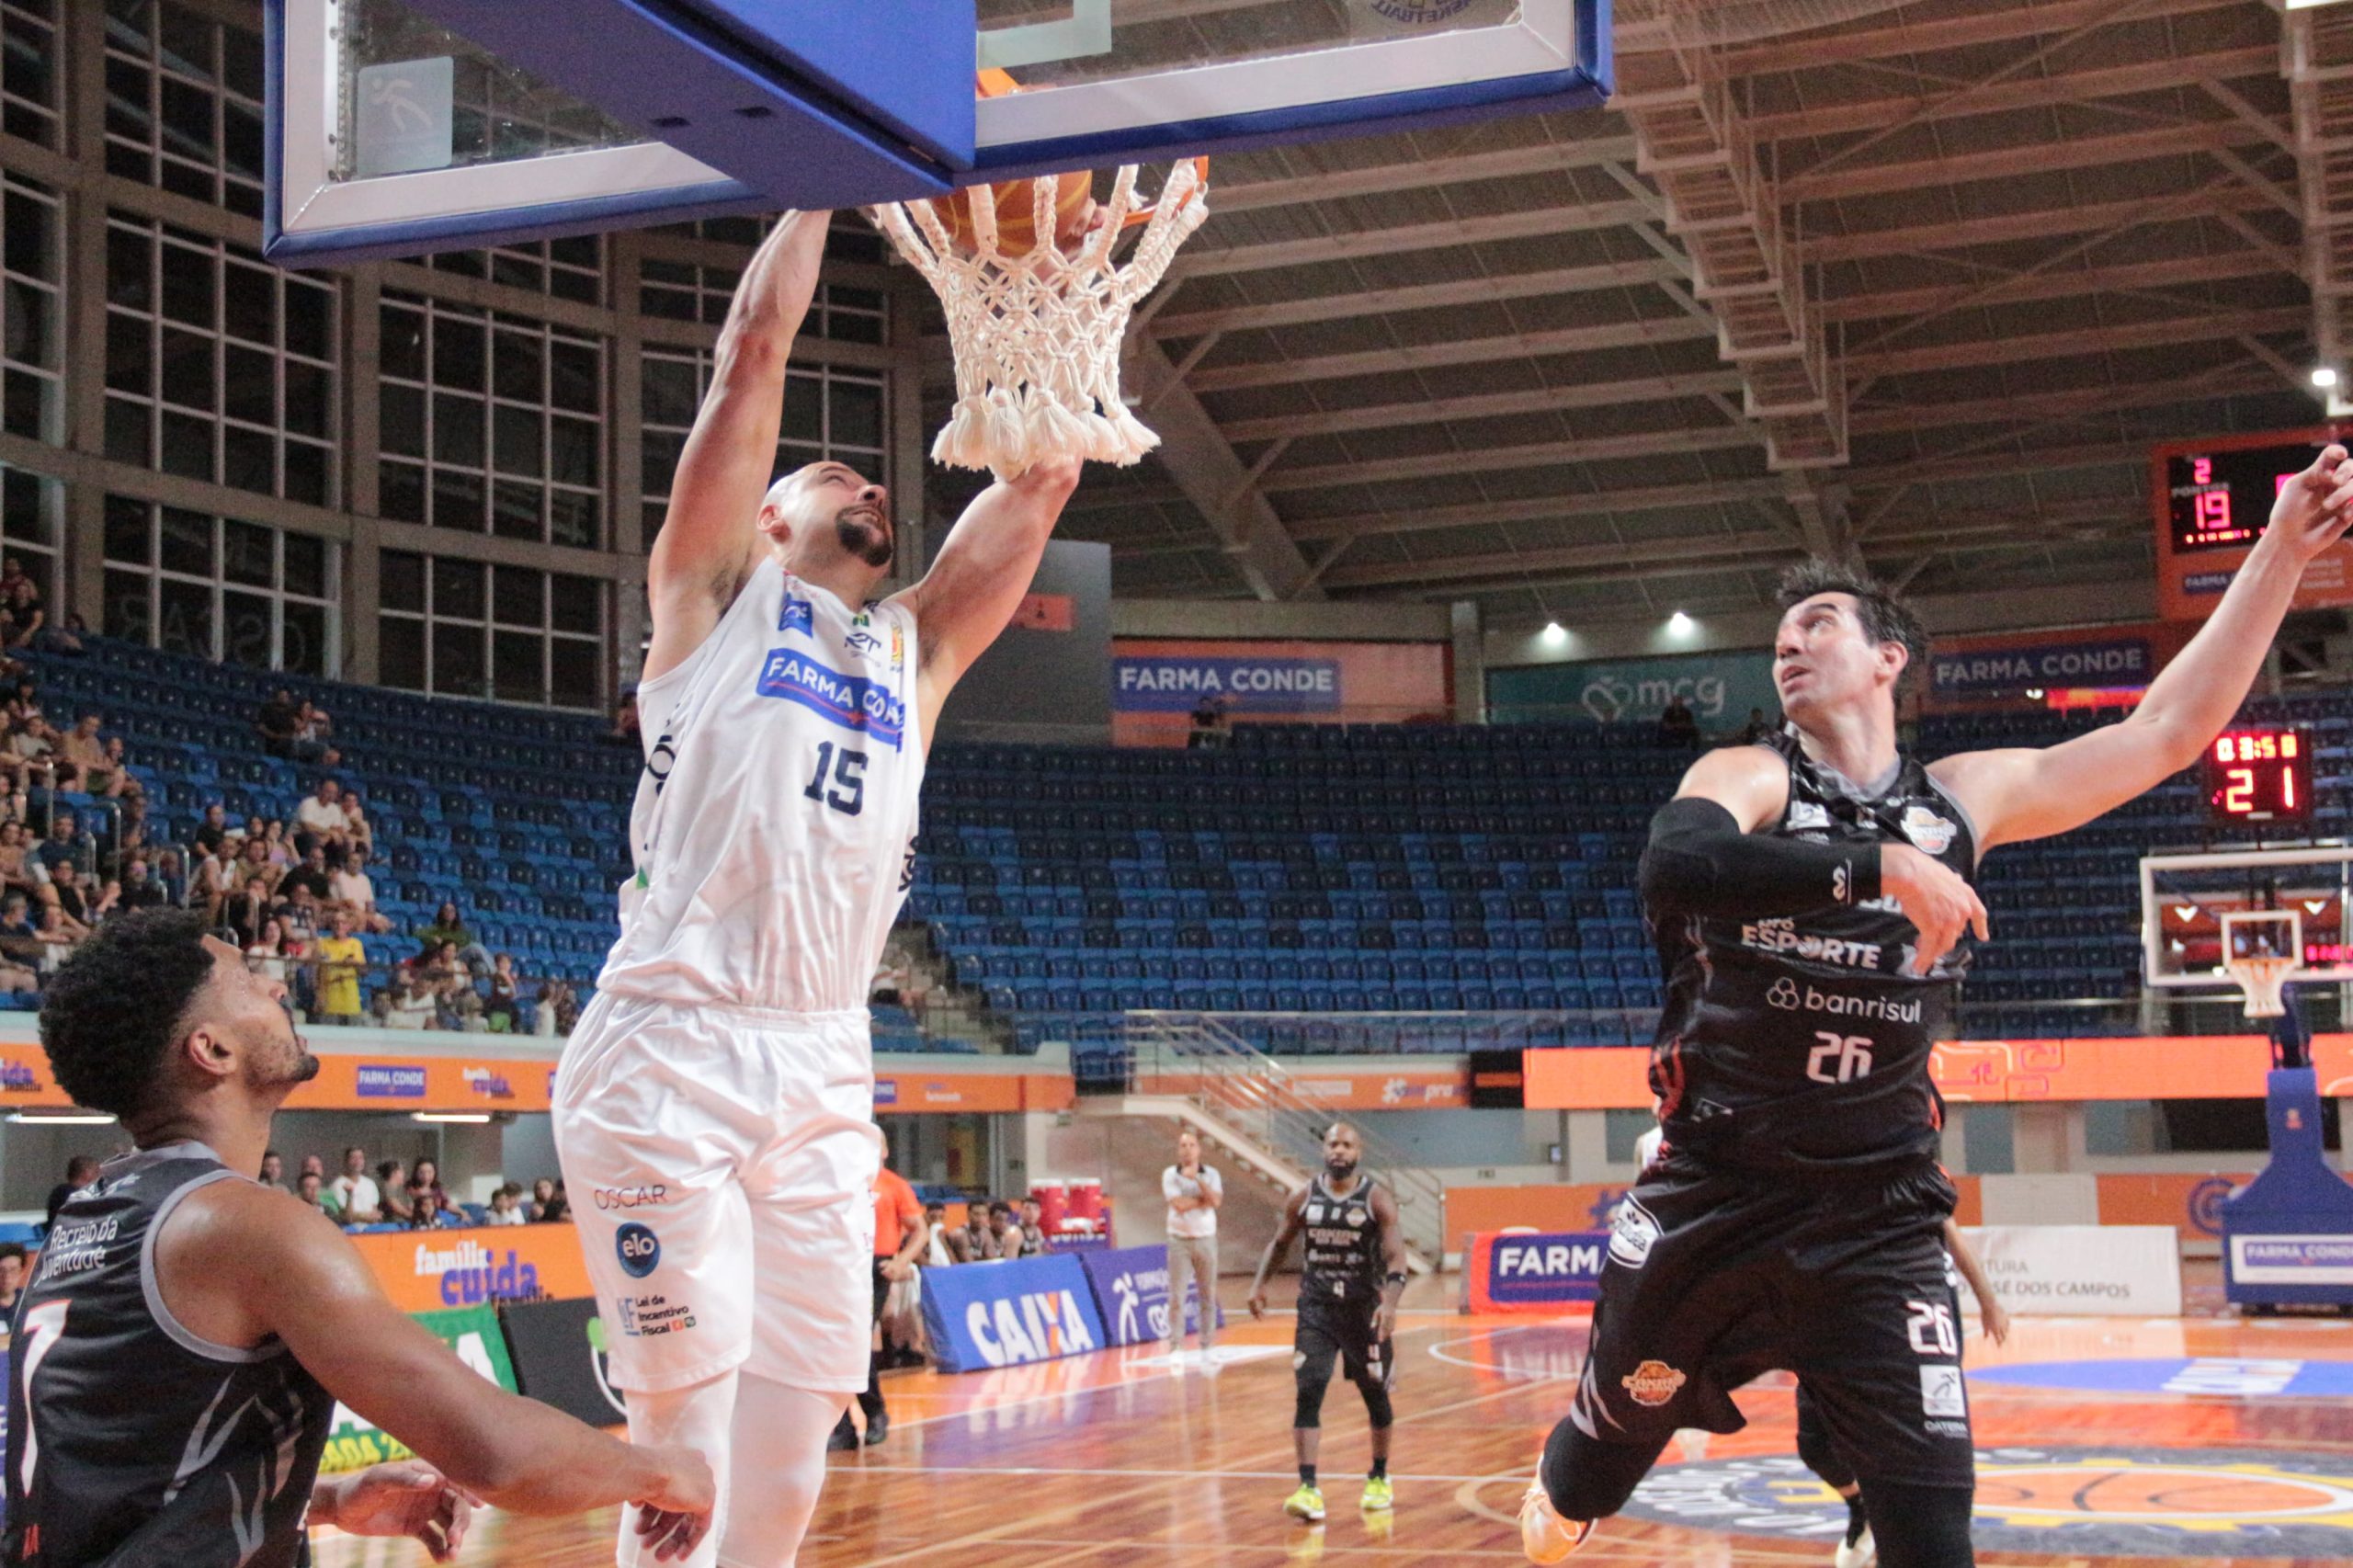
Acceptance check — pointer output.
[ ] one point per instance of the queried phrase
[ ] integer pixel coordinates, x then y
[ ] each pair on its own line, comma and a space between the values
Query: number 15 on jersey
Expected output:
847, 791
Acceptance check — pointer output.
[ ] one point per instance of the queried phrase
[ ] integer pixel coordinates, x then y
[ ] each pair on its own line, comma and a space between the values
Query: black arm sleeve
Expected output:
1698, 862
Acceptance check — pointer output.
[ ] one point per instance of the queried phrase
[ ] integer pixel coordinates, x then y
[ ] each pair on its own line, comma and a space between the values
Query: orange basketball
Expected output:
1017, 213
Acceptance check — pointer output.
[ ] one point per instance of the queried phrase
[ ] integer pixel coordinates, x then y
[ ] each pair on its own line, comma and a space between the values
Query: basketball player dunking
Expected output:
714, 1109
1351, 1272
1812, 903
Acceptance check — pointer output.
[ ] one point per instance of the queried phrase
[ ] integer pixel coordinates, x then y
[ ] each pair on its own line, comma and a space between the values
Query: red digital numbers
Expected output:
2258, 775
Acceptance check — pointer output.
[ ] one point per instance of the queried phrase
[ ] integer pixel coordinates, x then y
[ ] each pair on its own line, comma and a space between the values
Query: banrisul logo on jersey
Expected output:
852, 701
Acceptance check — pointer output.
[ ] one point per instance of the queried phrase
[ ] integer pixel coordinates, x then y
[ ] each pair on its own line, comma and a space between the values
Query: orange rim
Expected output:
996, 83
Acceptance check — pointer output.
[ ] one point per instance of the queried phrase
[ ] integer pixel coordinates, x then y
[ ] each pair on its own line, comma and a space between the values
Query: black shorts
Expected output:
1715, 1278
1344, 1329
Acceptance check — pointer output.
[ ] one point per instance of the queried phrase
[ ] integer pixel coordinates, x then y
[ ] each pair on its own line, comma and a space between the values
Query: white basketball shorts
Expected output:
721, 1166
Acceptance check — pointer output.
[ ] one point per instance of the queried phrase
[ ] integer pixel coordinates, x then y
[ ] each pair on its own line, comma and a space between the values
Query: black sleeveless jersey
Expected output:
1342, 1260
131, 1442
1803, 1042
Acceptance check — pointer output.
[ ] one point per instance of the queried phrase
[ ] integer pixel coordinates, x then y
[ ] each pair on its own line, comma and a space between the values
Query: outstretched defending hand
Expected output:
673, 1518
2314, 507
408, 1498
1933, 897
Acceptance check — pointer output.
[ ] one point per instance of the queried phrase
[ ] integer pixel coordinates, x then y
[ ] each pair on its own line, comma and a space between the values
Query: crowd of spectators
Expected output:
408, 1197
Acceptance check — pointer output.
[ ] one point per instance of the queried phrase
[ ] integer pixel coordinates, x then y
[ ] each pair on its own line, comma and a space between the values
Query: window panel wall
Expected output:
491, 422
28, 69
830, 415
31, 292
474, 629
184, 103
679, 291
219, 366
219, 588
568, 270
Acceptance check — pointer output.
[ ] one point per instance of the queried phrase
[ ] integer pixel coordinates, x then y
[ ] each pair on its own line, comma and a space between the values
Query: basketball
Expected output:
1017, 213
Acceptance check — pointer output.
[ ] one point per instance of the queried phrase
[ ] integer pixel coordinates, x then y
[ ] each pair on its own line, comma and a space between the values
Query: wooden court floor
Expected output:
2204, 1440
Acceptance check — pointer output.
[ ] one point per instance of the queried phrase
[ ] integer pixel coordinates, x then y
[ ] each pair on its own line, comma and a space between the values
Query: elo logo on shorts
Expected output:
639, 1249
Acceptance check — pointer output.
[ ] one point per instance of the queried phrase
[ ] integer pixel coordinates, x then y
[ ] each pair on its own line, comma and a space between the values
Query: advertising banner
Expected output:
1010, 1313
354, 1442
2291, 1260
2081, 1271
1157, 682
1131, 1294
1969, 671
1538, 1272
559, 1354
1720, 687
424, 1271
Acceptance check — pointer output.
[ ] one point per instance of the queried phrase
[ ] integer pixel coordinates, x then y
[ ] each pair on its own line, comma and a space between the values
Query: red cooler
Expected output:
1054, 1206
1087, 1201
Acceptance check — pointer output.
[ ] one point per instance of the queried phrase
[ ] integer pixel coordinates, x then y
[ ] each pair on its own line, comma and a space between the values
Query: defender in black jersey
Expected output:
178, 1353
1352, 1271
1812, 902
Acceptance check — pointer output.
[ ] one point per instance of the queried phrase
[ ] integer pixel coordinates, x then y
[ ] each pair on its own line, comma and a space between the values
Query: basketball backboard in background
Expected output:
2199, 911
402, 126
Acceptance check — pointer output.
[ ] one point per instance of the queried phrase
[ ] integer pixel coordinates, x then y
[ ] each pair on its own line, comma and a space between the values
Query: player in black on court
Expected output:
179, 1353
1352, 1270
1813, 911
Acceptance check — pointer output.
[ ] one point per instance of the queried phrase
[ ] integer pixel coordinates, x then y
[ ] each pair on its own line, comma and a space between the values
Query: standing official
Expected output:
1194, 1192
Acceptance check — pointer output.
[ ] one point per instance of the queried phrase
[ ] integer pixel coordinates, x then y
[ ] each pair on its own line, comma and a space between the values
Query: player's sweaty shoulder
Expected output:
1751, 782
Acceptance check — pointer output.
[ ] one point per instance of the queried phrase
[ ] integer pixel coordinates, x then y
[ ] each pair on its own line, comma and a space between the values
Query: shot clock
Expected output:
2211, 501
2259, 776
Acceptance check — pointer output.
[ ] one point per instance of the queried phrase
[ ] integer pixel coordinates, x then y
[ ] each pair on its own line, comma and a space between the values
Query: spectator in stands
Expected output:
356, 1192
299, 913
273, 1170
429, 1214
975, 1242
357, 833
559, 1010
14, 873
313, 1191
83, 748
506, 1206
319, 816
65, 639
313, 874
315, 1165
19, 979
625, 730
66, 844
428, 1173
548, 1205
279, 724
57, 934
1209, 724
12, 571
498, 1011
116, 769
449, 926
12, 1274
25, 757
253, 866
245, 914
140, 889
214, 831
1678, 725
283, 856
171, 875
407, 1003
216, 882
313, 736
69, 892
1758, 729
352, 892
391, 1180
17, 925
80, 1172
340, 959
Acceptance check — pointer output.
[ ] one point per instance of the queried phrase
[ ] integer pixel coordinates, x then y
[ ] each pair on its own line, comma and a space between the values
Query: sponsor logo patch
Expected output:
639, 1249
1931, 834
1633, 1234
800, 615
650, 1317
653, 1196
1940, 1392
852, 701
383, 1082
1807, 815
1653, 1384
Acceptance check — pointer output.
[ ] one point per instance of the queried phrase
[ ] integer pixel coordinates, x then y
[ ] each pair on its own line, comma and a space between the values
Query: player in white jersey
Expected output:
714, 1109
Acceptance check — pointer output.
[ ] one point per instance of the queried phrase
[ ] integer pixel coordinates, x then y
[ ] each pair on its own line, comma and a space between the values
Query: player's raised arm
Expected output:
2023, 793
968, 597
705, 548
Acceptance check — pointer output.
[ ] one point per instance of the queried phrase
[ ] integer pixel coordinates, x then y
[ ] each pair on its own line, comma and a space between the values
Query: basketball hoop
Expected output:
2262, 951
1037, 334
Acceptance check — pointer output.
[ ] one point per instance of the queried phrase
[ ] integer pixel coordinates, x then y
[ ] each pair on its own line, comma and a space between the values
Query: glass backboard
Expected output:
2193, 906
402, 126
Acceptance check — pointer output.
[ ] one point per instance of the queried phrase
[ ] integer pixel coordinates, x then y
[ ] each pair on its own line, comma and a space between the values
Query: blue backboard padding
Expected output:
758, 120
906, 64
1427, 110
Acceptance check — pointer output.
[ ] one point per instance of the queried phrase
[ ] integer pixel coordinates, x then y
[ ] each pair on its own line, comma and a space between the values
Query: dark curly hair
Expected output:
113, 1009
1885, 618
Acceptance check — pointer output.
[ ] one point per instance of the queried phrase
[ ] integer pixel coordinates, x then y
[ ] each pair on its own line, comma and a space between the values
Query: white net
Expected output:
2262, 981
1745, 22
1036, 336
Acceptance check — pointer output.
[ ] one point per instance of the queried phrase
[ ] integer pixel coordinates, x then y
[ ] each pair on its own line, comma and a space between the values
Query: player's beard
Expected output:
291, 1064
864, 535
1339, 1170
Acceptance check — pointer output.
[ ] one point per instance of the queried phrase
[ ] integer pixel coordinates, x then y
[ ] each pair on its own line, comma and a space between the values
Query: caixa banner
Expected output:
1010, 1313
1534, 1271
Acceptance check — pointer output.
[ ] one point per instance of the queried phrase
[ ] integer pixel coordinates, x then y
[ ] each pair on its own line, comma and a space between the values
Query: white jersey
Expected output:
774, 827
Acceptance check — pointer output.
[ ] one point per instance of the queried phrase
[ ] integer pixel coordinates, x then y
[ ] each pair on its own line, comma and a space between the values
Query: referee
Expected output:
900, 1236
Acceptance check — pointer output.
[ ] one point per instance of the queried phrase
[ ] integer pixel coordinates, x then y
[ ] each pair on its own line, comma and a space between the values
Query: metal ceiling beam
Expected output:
2316, 57
1607, 554
1415, 297
2033, 158
1676, 329
1489, 405
1534, 223
2041, 92
2125, 279
1380, 180
1538, 509
2036, 18
1497, 459
1961, 233
2087, 340
2036, 406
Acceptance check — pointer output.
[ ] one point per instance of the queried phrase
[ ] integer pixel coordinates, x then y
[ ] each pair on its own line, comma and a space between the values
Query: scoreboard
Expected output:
2209, 502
